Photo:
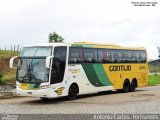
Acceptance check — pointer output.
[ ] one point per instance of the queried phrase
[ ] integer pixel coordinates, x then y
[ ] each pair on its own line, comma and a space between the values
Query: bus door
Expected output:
58, 64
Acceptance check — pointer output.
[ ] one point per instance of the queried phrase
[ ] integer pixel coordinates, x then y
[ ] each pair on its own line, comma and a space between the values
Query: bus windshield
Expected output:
36, 51
31, 66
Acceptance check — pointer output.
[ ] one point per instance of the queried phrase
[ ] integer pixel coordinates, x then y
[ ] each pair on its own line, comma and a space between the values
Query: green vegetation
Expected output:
154, 69
7, 53
154, 79
54, 37
2, 82
7, 75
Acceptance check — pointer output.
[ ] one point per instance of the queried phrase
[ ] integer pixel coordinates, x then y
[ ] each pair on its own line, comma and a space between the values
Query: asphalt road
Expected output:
143, 100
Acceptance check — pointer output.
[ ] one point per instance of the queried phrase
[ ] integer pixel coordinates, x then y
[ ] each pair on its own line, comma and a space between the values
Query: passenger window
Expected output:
75, 55
142, 56
126, 56
90, 55
104, 56
134, 56
116, 56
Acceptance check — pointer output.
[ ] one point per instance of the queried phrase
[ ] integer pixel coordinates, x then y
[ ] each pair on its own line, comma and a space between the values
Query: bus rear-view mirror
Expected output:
12, 61
48, 61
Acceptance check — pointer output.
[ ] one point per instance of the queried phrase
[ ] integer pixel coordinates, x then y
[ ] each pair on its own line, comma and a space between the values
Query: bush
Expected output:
1, 75
2, 82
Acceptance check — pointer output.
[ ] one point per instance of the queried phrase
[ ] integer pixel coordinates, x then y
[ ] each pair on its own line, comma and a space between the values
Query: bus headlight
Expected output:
44, 86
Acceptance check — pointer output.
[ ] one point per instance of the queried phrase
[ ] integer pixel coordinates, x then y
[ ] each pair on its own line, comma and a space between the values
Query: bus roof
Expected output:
89, 43
47, 44
97, 45
86, 45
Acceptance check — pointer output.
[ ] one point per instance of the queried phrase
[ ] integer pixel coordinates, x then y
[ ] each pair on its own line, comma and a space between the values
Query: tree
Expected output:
54, 37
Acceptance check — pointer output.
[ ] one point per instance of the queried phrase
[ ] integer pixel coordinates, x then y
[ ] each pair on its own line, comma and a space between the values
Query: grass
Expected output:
2, 82
154, 69
8, 75
7, 53
154, 79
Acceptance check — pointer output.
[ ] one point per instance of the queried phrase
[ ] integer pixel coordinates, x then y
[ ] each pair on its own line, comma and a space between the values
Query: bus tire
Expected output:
126, 86
73, 91
133, 85
119, 90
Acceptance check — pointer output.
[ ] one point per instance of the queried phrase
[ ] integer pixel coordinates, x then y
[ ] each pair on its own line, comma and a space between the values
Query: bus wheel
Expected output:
73, 91
133, 85
126, 86
119, 90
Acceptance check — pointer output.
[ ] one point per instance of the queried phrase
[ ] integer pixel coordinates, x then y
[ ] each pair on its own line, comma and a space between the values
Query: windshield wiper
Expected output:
21, 60
29, 72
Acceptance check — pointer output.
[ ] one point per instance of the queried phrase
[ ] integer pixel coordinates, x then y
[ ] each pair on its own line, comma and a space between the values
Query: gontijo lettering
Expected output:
120, 68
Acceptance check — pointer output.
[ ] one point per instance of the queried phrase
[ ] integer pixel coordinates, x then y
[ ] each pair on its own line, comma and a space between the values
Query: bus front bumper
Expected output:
35, 93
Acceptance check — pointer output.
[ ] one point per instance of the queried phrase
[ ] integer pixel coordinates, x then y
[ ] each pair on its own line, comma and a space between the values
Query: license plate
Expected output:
29, 92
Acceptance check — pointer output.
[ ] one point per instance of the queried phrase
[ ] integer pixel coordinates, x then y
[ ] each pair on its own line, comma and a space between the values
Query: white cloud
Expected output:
113, 21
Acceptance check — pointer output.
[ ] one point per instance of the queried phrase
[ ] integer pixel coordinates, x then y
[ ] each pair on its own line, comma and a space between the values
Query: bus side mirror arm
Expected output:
11, 62
48, 61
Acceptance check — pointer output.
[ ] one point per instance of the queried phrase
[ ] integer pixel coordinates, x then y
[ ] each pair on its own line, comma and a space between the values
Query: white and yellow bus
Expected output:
61, 69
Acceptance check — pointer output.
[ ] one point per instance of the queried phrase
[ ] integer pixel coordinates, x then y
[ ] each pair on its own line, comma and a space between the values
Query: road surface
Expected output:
143, 100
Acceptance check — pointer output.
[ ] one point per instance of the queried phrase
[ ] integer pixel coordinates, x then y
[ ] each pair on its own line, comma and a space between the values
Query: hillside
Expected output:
8, 75
154, 63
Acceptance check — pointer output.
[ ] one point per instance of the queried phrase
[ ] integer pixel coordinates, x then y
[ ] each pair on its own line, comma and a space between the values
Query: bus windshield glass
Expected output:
36, 51
31, 66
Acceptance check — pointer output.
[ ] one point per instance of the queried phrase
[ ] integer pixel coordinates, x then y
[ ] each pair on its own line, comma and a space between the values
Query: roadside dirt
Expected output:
8, 75
4, 64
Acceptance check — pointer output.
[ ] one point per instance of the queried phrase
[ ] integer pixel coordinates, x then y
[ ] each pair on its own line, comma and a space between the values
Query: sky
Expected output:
25, 22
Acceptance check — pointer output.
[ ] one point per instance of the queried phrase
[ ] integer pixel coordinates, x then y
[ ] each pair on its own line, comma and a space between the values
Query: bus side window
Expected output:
126, 56
142, 56
100, 55
90, 55
116, 56
134, 56
104, 56
75, 55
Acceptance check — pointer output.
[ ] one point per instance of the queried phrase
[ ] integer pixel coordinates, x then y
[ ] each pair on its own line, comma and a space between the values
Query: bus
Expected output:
69, 69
